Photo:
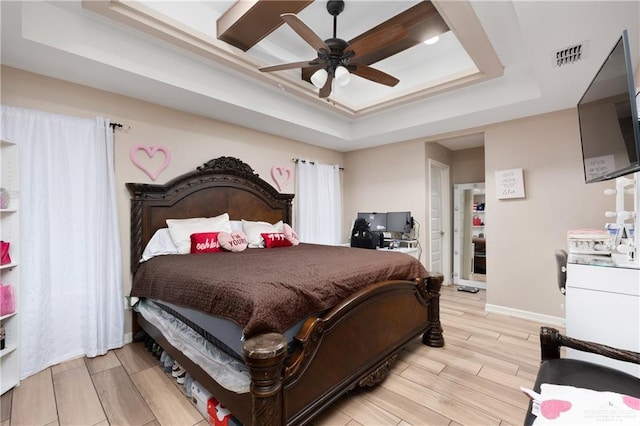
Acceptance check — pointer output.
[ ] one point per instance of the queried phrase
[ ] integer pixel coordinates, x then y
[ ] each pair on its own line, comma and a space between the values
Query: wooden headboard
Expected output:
221, 185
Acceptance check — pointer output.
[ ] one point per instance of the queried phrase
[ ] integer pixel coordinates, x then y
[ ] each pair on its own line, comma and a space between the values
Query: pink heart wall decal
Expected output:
281, 176
150, 151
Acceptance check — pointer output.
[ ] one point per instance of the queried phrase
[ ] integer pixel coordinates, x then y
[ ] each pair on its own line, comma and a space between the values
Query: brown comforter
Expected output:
266, 290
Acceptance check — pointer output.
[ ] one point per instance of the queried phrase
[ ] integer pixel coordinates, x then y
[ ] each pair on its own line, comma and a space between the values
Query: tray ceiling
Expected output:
494, 64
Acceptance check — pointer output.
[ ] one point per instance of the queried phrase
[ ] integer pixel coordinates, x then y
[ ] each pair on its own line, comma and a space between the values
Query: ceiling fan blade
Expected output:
305, 32
326, 89
376, 41
288, 66
365, 71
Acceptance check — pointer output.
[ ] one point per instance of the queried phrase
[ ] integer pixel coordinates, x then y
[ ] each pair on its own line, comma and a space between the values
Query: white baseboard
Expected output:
128, 338
531, 316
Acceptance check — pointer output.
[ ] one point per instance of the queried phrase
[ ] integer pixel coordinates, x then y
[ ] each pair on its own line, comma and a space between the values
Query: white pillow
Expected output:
254, 229
161, 243
236, 225
181, 229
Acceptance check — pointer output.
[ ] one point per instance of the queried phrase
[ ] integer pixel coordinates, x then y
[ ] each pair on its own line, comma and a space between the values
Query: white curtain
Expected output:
318, 203
70, 289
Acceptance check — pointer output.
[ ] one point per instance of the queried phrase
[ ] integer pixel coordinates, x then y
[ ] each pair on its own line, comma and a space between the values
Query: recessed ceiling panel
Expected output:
419, 68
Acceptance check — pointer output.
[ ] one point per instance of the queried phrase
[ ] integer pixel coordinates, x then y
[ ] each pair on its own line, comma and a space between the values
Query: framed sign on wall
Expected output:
509, 184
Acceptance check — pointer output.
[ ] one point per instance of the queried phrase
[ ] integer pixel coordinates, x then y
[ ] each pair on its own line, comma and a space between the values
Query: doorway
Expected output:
469, 235
438, 219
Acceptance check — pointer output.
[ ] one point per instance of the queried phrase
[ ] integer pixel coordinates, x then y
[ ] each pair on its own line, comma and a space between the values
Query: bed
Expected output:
350, 345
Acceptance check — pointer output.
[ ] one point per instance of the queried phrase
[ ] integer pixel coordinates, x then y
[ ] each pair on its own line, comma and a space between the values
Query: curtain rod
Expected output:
295, 160
115, 126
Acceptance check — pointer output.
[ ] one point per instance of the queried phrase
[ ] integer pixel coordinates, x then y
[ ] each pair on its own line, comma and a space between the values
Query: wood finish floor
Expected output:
473, 380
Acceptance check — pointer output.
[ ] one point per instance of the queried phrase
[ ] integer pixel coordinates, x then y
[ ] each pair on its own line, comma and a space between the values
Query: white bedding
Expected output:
224, 369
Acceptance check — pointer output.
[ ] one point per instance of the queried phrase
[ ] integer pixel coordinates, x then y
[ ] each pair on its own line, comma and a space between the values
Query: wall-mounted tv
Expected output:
608, 115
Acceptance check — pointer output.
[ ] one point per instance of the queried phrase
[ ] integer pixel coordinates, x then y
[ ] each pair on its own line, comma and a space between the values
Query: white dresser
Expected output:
603, 306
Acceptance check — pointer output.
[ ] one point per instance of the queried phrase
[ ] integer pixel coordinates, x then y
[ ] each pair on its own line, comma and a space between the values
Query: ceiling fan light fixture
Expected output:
342, 75
319, 78
432, 40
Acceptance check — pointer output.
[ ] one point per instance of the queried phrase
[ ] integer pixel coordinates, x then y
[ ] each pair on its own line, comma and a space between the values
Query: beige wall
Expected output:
467, 165
192, 140
523, 233
391, 178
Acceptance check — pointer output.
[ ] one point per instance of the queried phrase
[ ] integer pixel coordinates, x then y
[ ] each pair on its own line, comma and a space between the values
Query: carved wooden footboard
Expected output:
354, 345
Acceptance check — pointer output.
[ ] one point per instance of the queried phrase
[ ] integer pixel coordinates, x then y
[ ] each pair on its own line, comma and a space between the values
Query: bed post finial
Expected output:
265, 354
433, 336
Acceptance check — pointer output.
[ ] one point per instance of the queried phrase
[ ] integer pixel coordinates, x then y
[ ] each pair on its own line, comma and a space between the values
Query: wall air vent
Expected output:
570, 55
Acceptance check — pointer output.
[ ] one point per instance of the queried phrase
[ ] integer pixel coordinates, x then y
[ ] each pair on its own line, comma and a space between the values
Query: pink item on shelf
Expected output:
4, 198
5, 259
7, 300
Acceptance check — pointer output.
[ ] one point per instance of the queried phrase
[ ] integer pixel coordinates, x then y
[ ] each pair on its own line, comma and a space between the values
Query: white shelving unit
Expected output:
467, 199
9, 275
477, 229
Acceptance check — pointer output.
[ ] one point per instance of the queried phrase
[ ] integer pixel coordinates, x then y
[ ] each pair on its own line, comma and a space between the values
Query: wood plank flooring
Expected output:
473, 380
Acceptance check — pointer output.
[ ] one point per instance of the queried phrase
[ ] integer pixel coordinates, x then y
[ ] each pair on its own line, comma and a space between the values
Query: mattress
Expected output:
221, 332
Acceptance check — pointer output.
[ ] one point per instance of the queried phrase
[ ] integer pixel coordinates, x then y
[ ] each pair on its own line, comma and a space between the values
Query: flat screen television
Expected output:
377, 221
608, 117
399, 222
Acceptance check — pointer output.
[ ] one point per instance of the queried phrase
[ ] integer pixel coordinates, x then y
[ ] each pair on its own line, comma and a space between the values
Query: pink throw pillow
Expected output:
291, 235
205, 242
235, 241
275, 239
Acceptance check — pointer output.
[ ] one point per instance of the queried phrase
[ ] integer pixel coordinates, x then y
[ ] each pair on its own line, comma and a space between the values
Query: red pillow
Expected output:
275, 239
205, 242
235, 241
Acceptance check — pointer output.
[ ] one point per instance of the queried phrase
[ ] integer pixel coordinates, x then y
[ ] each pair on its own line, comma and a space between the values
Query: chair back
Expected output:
561, 261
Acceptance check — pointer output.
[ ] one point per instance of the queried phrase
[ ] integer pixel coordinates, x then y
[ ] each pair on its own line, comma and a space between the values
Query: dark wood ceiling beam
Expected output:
247, 22
421, 21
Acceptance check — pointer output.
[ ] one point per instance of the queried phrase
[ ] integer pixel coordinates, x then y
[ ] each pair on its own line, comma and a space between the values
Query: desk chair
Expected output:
561, 261
582, 374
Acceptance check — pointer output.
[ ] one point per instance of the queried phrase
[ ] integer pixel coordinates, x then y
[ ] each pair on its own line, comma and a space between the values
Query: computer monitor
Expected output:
399, 222
377, 221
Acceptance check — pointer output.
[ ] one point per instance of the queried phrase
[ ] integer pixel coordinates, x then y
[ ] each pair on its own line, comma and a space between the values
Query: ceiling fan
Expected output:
337, 59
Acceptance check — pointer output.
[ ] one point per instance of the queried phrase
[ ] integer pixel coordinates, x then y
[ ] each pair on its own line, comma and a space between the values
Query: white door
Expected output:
439, 238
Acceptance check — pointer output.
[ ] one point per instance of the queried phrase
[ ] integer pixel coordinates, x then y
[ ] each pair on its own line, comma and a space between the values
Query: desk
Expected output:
413, 251
401, 243
603, 306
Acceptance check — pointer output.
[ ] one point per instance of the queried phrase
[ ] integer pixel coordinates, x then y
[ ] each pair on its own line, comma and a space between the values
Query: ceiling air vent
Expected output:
570, 55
